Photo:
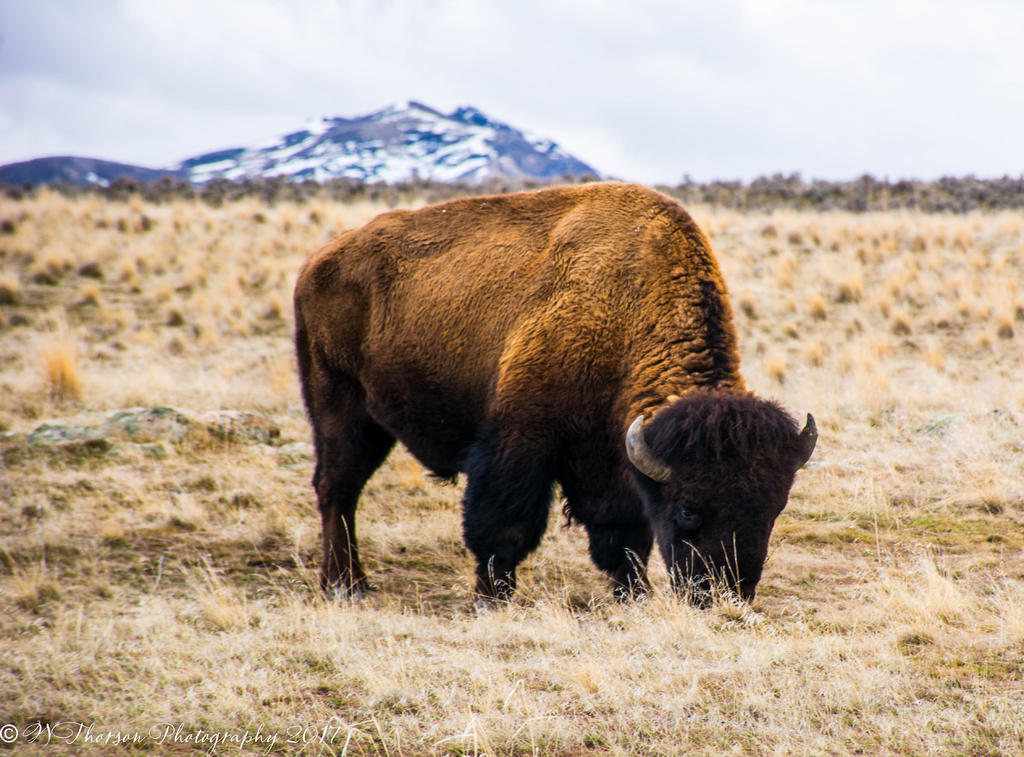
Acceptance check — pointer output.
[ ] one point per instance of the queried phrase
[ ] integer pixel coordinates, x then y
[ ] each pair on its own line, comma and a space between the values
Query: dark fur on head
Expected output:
712, 425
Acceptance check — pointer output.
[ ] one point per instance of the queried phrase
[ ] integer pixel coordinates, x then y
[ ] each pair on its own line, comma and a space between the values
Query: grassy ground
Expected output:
163, 594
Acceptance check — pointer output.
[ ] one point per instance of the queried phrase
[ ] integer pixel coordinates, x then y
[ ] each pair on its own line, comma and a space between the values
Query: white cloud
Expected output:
647, 90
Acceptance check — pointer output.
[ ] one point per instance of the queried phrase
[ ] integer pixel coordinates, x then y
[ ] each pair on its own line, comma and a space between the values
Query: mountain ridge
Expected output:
401, 142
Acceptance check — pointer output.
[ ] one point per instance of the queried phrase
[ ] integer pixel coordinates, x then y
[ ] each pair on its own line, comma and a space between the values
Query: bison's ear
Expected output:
806, 441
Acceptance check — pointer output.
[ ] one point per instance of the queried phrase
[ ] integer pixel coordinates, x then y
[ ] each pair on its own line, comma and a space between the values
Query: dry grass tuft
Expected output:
776, 370
901, 323
90, 295
221, 605
816, 307
745, 303
934, 357
850, 290
32, 589
1004, 326
61, 374
814, 353
10, 289
922, 594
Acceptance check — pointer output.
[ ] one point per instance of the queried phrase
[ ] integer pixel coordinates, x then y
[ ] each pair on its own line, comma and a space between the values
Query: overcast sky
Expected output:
647, 90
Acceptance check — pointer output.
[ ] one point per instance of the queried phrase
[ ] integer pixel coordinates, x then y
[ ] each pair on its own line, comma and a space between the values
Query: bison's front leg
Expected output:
622, 551
505, 510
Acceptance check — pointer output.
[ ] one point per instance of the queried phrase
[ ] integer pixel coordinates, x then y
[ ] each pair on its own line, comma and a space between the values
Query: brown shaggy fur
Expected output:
489, 293
713, 425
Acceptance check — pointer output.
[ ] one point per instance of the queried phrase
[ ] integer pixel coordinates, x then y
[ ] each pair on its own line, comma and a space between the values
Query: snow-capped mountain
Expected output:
399, 143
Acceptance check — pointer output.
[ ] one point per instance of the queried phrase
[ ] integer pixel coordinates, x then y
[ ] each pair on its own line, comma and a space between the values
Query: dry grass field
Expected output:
158, 576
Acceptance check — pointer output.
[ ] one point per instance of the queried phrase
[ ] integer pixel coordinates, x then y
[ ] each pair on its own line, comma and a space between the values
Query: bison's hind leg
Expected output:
350, 446
505, 510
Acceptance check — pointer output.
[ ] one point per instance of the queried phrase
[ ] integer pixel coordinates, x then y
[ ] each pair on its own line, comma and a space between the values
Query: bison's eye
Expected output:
688, 520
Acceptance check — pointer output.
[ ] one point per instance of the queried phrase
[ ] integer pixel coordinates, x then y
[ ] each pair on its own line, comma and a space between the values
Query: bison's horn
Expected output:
808, 438
641, 456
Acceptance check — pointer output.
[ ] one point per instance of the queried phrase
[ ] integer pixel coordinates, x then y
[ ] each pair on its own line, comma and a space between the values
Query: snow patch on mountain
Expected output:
399, 143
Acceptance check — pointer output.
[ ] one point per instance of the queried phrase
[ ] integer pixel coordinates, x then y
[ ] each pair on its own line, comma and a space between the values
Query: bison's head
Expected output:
714, 470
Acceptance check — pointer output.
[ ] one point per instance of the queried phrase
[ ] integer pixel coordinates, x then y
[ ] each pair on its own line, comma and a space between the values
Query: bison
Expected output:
581, 335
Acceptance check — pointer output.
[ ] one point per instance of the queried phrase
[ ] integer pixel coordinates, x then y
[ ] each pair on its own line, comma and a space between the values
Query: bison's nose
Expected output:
695, 589
700, 590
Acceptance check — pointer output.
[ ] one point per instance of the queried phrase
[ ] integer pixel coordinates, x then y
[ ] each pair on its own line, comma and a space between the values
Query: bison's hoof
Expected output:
486, 606
626, 594
343, 593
